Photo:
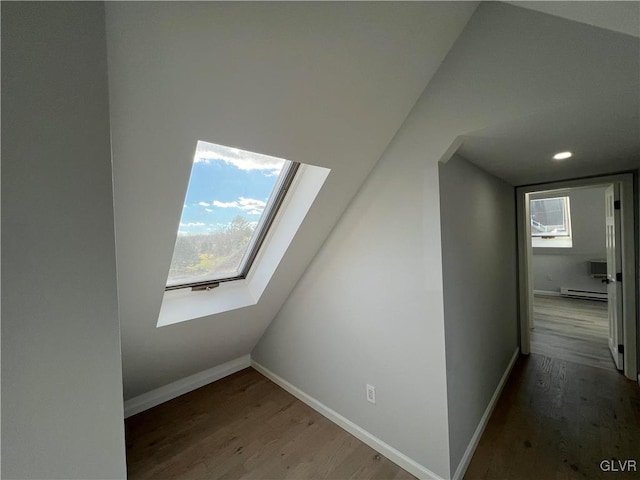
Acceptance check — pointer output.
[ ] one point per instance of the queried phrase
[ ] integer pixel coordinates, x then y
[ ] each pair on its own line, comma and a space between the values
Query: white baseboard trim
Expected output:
374, 442
546, 293
471, 448
184, 385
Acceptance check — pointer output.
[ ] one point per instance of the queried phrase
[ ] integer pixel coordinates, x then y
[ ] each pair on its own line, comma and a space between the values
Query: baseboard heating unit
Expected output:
579, 293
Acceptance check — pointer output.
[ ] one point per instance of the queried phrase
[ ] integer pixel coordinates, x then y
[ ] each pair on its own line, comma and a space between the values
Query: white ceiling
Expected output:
597, 119
604, 137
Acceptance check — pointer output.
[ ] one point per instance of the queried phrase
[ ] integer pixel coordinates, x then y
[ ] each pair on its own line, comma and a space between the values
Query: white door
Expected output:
614, 289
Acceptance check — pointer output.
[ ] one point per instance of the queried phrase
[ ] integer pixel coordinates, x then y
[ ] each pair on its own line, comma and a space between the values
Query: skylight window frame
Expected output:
554, 240
566, 216
185, 305
271, 210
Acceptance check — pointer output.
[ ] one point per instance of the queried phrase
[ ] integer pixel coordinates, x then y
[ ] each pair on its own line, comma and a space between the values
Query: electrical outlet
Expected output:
371, 394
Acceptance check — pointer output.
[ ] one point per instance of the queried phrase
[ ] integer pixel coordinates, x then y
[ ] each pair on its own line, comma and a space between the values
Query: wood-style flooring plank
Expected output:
571, 329
558, 419
246, 427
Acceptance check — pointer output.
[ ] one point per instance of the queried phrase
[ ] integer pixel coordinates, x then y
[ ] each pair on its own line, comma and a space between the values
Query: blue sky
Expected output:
226, 182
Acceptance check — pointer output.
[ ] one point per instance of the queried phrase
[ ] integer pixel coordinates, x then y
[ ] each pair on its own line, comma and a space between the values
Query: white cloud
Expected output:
192, 224
208, 210
207, 152
218, 204
204, 204
251, 206
251, 203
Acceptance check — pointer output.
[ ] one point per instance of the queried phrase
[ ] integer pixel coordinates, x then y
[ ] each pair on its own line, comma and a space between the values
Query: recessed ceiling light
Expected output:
562, 155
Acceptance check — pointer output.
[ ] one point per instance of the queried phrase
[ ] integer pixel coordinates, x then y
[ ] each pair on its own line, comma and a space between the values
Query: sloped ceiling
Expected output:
327, 84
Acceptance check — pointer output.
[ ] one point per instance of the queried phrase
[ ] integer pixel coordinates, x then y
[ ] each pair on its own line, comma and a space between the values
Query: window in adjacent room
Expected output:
231, 201
551, 222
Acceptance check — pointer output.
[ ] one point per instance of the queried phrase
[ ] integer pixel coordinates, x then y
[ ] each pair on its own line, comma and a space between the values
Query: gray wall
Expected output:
61, 372
479, 278
568, 267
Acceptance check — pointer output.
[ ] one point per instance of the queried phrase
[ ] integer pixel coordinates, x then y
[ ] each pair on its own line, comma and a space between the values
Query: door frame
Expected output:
628, 252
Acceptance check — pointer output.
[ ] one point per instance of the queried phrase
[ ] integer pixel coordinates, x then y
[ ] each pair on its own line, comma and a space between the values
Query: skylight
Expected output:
551, 222
232, 198
550, 217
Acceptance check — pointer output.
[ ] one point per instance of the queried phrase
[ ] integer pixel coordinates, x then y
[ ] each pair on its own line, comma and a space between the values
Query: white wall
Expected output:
321, 83
370, 308
61, 373
477, 217
554, 268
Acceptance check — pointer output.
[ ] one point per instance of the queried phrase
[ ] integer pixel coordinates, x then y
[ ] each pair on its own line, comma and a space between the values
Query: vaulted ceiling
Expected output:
325, 84
330, 84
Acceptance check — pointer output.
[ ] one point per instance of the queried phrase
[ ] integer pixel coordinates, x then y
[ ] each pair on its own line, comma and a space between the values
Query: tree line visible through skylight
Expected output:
228, 193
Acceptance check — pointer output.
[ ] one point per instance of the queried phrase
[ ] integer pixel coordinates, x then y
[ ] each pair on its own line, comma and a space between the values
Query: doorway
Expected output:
568, 236
607, 272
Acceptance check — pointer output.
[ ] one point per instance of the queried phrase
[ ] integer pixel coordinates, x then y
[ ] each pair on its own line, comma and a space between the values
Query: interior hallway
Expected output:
558, 419
572, 329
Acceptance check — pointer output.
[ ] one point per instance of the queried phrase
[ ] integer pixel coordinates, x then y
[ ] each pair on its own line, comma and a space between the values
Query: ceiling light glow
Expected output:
562, 155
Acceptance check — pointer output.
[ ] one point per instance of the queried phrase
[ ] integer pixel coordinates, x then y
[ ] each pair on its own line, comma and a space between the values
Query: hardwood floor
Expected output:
246, 427
557, 419
571, 329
